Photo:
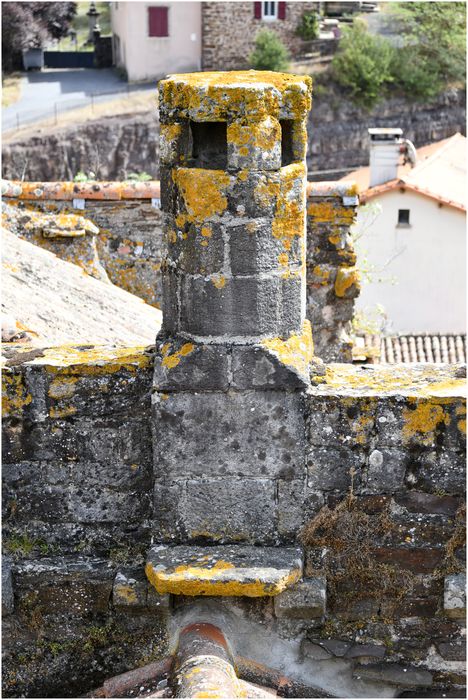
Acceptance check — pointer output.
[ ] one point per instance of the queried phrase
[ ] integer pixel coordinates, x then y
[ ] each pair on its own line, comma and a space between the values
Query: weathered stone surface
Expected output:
226, 571
358, 651
455, 595
240, 510
180, 365
313, 651
386, 470
454, 650
405, 676
73, 585
8, 599
251, 434
296, 505
305, 600
129, 589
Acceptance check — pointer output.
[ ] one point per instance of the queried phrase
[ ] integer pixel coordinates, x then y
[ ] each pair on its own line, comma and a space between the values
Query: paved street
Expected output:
48, 90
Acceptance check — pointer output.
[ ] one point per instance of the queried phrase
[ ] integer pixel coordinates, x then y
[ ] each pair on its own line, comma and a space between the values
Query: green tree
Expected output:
269, 53
433, 54
308, 27
362, 64
27, 25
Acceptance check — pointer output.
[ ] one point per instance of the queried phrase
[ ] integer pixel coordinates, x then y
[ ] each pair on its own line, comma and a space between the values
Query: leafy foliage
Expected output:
269, 53
363, 64
308, 27
27, 25
434, 50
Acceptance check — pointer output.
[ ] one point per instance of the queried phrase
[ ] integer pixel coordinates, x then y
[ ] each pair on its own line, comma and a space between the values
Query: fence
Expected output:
55, 113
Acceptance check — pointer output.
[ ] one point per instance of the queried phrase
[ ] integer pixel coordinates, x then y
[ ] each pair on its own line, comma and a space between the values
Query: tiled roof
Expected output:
424, 348
81, 190
440, 173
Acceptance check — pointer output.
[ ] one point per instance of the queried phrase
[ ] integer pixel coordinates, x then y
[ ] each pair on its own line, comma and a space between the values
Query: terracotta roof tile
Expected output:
81, 190
424, 348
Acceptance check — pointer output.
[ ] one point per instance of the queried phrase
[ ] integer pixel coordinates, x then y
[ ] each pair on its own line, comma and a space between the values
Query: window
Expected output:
403, 217
269, 10
158, 21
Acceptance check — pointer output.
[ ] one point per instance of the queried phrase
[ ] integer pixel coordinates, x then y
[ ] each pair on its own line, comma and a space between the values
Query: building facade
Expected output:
152, 39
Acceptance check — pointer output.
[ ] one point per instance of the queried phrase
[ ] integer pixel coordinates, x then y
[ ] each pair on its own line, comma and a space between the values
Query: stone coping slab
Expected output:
227, 570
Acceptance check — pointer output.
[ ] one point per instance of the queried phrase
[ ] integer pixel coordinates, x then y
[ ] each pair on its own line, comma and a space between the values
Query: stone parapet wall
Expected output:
130, 241
238, 19
86, 487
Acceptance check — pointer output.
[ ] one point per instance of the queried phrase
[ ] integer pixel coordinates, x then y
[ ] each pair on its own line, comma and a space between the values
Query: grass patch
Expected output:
11, 89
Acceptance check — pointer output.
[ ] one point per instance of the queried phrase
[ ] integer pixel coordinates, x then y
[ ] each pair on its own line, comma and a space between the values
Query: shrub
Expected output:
363, 64
269, 53
308, 27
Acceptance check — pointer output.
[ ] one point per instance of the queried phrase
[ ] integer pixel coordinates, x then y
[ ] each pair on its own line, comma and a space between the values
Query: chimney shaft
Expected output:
384, 154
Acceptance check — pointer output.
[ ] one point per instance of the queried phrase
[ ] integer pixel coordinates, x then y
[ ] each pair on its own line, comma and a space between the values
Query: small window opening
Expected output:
208, 145
269, 10
403, 217
287, 150
158, 21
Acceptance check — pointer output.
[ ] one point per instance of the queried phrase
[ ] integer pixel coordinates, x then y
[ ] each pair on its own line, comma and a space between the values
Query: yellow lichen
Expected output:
62, 412
346, 279
208, 580
218, 280
62, 388
296, 351
204, 195
170, 361
14, 394
330, 212
422, 420
127, 592
321, 276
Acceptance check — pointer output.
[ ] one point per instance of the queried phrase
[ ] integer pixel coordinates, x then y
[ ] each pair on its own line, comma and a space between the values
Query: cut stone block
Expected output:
224, 570
8, 601
455, 595
306, 600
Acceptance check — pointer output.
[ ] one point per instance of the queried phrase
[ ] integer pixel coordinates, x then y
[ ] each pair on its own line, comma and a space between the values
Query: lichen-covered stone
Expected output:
223, 571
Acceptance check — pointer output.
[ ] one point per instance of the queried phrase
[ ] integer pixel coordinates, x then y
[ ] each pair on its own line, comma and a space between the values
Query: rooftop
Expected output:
440, 173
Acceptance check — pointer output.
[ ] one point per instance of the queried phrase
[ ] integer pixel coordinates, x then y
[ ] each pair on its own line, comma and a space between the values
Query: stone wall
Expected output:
381, 450
231, 51
130, 239
113, 147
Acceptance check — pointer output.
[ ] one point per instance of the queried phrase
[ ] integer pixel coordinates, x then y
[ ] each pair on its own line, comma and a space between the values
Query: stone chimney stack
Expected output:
234, 355
233, 180
385, 149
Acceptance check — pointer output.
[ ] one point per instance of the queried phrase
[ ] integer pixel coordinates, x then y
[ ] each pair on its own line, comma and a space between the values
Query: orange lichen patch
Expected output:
346, 279
296, 351
47, 190
60, 225
422, 420
330, 212
173, 360
218, 280
206, 231
15, 395
211, 580
204, 194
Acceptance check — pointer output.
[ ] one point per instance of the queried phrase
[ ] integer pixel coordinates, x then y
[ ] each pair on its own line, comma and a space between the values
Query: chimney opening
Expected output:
208, 145
287, 142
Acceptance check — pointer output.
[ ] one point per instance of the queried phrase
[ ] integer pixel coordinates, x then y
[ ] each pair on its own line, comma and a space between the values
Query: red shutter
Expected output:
258, 10
281, 10
157, 21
